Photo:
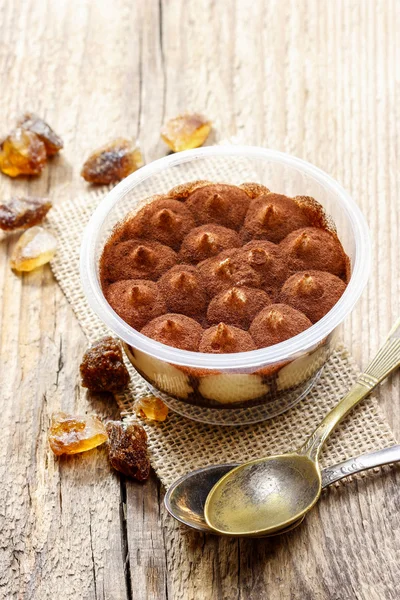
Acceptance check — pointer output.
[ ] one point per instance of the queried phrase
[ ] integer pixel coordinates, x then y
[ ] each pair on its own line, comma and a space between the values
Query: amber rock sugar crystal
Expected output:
112, 162
45, 133
70, 434
22, 153
127, 449
186, 131
35, 248
21, 212
151, 408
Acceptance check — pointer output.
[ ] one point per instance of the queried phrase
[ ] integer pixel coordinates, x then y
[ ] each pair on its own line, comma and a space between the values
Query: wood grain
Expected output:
317, 79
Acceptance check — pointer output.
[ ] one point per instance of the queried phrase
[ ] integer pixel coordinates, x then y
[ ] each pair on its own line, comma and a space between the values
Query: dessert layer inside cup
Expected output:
217, 268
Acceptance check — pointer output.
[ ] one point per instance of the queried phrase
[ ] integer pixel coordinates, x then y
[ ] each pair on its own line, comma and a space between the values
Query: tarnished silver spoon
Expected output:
186, 497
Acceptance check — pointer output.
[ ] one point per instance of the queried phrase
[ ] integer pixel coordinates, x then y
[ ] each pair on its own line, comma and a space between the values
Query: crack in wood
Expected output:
92, 553
60, 362
160, 501
60, 502
162, 56
124, 540
140, 75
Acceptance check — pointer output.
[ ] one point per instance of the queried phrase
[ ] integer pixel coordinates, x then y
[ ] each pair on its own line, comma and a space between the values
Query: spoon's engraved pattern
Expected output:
313, 441
387, 358
369, 381
331, 475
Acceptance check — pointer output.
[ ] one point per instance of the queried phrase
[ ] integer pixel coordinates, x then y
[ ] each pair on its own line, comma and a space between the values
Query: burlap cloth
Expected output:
179, 445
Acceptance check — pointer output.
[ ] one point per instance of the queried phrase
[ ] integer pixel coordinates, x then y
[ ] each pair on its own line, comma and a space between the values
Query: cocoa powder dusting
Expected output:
136, 301
175, 330
226, 339
181, 263
312, 292
277, 323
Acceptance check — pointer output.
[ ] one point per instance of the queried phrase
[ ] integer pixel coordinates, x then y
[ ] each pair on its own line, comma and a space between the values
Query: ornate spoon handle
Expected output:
386, 360
360, 463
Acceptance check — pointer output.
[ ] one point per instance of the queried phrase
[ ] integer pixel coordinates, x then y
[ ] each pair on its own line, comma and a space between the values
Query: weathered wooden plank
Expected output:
315, 79
294, 76
61, 522
60, 517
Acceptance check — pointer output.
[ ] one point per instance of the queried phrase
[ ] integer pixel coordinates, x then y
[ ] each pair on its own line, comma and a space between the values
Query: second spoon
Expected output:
186, 497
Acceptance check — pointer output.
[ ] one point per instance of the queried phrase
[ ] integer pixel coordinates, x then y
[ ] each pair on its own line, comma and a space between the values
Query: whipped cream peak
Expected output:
274, 318
143, 256
268, 215
302, 243
184, 281
166, 218
171, 327
259, 256
140, 295
216, 203
222, 336
224, 268
206, 241
307, 285
235, 297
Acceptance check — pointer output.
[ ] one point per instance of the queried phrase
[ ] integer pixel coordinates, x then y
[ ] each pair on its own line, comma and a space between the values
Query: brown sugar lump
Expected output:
102, 367
175, 330
272, 217
127, 449
135, 259
136, 301
268, 260
164, 220
206, 241
225, 339
226, 270
317, 249
277, 323
312, 292
237, 306
219, 203
183, 290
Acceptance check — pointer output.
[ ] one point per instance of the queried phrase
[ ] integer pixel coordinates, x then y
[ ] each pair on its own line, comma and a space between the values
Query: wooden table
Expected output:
314, 78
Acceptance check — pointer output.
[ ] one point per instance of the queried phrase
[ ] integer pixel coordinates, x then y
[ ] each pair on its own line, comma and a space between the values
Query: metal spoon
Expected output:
186, 497
265, 495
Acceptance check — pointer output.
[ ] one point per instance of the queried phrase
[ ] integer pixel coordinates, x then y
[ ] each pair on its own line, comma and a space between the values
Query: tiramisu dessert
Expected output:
222, 269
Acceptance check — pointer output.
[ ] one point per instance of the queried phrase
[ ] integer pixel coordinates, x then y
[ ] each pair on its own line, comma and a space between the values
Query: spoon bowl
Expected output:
263, 496
186, 497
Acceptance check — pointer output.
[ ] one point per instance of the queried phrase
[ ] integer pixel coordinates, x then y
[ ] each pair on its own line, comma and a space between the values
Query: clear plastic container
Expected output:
249, 386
